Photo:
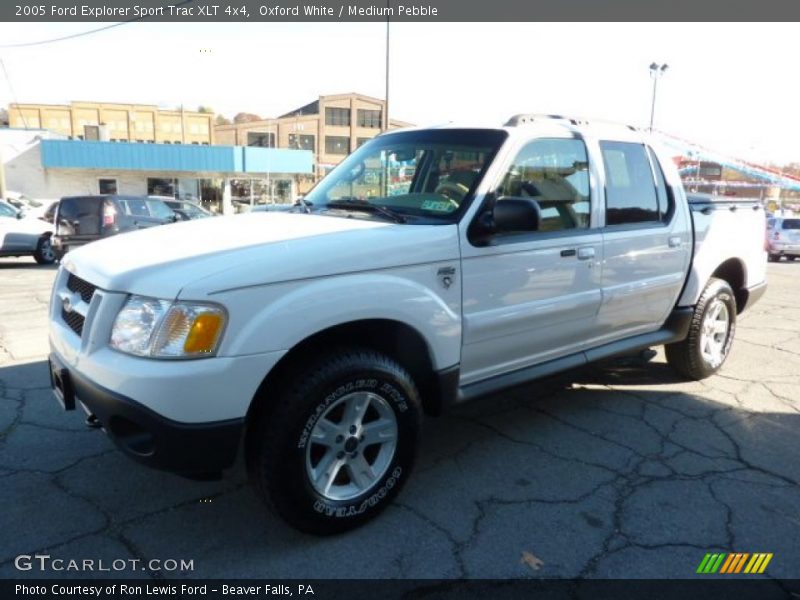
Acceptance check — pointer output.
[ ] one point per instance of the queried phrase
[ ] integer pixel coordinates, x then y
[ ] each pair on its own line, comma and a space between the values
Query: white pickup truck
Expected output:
430, 267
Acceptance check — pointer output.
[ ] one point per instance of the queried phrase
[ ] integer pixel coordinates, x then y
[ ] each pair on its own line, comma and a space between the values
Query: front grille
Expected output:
74, 320
84, 288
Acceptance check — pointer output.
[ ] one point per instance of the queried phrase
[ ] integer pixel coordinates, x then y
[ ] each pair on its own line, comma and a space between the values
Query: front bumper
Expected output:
144, 435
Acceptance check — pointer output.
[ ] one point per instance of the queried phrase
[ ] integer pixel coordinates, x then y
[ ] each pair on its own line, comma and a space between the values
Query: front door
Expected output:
532, 296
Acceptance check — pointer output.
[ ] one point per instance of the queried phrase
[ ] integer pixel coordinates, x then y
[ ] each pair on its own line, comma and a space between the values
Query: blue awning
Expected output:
77, 154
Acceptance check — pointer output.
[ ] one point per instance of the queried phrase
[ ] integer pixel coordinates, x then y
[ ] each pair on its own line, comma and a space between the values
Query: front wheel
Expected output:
337, 446
711, 333
773, 257
45, 254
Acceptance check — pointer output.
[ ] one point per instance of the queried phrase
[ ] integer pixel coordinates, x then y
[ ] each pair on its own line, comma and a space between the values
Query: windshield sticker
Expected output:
437, 205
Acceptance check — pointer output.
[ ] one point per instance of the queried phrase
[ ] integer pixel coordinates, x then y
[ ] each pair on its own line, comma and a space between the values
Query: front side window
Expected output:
631, 195
555, 173
425, 174
159, 209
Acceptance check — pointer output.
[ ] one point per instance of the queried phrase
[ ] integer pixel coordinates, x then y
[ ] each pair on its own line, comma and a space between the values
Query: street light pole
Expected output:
656, 71
386, 99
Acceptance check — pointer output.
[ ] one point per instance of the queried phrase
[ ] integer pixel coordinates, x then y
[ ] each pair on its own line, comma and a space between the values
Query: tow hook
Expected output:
92, 422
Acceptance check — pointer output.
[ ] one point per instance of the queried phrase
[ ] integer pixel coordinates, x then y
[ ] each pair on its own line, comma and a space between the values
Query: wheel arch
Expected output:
734, 272
394, 338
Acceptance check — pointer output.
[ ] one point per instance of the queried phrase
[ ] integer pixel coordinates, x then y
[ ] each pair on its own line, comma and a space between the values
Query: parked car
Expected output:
83, 219
187, 211
783, 238
21, 236
319, 337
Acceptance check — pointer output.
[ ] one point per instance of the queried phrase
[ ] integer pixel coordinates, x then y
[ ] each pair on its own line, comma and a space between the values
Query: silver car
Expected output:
20, 236
783, 238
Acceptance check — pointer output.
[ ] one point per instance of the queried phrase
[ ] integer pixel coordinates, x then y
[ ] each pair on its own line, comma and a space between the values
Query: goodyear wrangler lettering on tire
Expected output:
339, 443
352, 511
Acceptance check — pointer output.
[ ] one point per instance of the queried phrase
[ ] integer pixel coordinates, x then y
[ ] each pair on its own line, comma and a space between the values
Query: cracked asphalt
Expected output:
615, 471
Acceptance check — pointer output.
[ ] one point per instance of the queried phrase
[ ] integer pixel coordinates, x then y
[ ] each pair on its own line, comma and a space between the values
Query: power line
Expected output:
83, 33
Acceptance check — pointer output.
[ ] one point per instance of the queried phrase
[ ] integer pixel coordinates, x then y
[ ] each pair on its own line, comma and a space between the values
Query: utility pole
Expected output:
2, 176
656, 71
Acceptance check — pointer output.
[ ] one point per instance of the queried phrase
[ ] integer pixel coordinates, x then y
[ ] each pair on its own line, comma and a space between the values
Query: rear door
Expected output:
79, 219
646, 243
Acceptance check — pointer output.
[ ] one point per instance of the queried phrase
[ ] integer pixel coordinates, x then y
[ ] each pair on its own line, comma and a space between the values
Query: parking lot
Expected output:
619, 471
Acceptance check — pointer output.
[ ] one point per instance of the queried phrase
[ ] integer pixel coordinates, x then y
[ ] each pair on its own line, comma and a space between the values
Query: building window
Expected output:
157, 186
361, 141
107, 186
335, 144
337, 116
369, 118
301, 142
261, 139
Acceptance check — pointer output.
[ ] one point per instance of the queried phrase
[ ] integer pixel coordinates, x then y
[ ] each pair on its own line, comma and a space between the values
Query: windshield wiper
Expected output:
367, 207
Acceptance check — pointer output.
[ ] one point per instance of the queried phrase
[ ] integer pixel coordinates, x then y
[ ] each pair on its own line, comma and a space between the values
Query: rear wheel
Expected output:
711, 333
338, 445
45, 253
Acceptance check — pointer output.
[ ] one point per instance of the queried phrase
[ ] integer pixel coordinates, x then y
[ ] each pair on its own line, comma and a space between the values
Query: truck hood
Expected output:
210, 255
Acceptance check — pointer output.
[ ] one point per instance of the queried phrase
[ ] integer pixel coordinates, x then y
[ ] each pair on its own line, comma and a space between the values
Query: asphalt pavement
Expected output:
615, 471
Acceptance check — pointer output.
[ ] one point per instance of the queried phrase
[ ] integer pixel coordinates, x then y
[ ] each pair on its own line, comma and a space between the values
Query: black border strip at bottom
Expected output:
711, 588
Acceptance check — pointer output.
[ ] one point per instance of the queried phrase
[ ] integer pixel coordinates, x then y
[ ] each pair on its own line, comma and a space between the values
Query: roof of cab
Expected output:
550, 124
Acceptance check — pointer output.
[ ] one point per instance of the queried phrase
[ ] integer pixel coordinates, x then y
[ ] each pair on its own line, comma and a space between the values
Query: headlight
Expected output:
162, 329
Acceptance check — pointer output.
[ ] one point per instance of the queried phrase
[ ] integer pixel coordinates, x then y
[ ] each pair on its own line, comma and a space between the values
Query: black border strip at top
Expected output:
401, 10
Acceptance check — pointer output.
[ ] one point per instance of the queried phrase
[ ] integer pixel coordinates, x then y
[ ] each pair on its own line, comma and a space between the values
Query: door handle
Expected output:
568, 252
585, 253
674, 241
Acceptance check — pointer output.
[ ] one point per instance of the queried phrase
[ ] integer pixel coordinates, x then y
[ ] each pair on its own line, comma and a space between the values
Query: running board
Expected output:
675, 329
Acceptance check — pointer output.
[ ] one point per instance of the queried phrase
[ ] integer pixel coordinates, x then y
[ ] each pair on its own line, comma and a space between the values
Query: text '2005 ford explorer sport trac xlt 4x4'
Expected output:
430, 267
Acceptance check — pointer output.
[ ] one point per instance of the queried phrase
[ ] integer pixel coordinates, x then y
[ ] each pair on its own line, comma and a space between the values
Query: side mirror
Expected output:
516, 214
20, 214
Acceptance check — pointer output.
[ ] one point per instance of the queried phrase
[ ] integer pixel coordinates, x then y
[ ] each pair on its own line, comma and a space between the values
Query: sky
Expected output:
731, 87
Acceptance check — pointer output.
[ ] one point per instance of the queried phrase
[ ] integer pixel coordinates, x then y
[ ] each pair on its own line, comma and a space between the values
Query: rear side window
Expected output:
75, 208
791, 224
631, 195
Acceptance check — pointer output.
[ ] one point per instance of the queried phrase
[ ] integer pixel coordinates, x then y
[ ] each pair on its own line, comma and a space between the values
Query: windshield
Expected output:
428, 174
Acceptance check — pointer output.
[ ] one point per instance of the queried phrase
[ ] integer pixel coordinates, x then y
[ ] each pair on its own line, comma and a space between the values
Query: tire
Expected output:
707, 345
45, 254
790, 257
773, 257
314, 424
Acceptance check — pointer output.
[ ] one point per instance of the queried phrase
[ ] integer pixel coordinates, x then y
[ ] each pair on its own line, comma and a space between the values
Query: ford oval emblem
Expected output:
66, 304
